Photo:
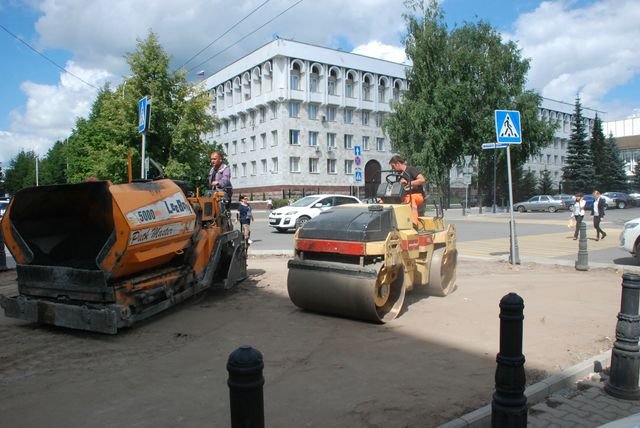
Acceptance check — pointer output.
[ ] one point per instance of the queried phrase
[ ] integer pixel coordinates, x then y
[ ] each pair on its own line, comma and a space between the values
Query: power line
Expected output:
254, 31
224, 34
46, 57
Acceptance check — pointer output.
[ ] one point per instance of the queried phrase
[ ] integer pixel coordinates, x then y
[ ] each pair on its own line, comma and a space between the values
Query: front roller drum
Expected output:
374, 293
442, 273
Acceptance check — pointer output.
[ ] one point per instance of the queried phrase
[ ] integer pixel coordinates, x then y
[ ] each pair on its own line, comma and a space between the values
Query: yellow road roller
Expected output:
358, 261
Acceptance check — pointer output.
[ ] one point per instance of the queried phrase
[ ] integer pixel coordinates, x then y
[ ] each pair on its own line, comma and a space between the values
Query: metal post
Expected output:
466, 200
37, 172
493, 207
143, 173
245, 388
582, 262
509, 404
625, 355
514, 259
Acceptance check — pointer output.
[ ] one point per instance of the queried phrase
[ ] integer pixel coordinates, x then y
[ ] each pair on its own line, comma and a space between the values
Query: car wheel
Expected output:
638, 250
521, 209
301, 221
571, 207
552, 209
621, 205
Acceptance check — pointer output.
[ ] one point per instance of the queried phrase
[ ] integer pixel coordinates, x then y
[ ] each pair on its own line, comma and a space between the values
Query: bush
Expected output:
279, 202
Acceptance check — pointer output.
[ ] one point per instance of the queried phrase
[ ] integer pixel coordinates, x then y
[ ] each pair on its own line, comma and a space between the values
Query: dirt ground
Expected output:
432, 364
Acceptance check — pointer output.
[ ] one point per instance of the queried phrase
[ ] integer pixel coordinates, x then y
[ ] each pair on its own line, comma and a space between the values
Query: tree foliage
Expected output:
457, 81
528, 186
615, 176
545, 183
53, 168
21, 172
578, 173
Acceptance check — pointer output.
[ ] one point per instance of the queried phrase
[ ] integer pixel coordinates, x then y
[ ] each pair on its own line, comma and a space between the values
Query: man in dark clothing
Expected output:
597, 211
220, 175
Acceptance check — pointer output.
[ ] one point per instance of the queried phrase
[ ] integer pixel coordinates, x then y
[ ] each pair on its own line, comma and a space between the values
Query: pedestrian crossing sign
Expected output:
508, 127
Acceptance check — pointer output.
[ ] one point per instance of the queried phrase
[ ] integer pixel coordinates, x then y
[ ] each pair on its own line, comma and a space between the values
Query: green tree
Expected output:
457, 81
527, 186
545, 184
99, 145
615, 176
21, 172
598, 154
578, 174
53, 168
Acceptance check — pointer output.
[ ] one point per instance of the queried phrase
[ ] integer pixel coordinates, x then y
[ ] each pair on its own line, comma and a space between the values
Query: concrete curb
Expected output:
535, 393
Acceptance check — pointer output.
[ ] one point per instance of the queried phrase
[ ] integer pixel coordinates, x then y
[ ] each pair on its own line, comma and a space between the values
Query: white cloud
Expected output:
379, 50
589, 50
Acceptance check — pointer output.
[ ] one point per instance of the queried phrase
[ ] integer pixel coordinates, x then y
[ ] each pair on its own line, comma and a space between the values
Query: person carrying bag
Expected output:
578, 214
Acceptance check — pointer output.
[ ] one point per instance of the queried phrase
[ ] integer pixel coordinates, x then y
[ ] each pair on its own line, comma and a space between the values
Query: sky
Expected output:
57, 53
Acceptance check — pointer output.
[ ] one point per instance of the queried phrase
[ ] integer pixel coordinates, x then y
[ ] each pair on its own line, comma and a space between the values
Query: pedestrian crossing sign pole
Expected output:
508, 131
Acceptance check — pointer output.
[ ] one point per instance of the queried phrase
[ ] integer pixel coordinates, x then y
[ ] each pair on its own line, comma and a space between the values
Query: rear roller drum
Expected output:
442, 275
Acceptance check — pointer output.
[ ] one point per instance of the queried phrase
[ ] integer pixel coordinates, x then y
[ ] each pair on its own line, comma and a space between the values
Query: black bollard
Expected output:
509, 404
582, 262
245, 388
625, 355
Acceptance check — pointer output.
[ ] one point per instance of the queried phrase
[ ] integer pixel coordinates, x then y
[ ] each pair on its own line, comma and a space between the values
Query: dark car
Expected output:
621, 200
568, 200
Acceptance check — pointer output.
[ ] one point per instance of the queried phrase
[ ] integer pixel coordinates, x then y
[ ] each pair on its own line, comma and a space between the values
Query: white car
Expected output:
630, 237
301, 211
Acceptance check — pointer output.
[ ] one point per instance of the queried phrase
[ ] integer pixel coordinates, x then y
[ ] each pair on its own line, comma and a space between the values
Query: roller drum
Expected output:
369, 293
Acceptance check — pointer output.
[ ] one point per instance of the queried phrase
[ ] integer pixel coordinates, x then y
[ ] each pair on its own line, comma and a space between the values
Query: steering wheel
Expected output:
393, 178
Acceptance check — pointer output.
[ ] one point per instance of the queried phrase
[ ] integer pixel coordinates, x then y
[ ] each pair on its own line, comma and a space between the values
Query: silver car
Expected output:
540, 203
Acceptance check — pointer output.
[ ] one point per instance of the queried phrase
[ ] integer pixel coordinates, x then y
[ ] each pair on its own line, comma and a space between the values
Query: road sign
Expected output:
508, 127
356, 151
142, 115
357, 160
358, 175
486, 146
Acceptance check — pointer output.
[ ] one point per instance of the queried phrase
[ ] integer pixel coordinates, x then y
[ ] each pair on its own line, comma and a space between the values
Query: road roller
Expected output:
359, 261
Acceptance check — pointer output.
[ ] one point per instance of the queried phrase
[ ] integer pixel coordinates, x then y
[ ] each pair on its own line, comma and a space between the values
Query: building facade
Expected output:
304, 119
627, 135
295, 116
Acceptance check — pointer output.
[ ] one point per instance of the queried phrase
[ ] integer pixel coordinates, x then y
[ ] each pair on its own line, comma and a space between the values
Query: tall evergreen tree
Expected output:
599, 155
527, 186
545, 184
615, 176
21, 172
578, 174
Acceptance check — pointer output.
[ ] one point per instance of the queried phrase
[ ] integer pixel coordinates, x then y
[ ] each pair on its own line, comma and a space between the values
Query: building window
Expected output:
234, 147
263, 140
366, 89
293, 137
382, 92
312, 109
348, 115
274, 138
313, 165
555, 159
226, 147
294, 76
263, 162
332, 84
331, 140
331, 166
243, 121
313, 83
294, 164
294, 109
234, 123
225, 126
365, 143
234, 170
379, 119
331, 114
348, 141
244, 169
365, 118
252, 118
348, 88
274, 165
348, 166
313, 138
263, 114
243, 145
380, 144
274, 110
254, 168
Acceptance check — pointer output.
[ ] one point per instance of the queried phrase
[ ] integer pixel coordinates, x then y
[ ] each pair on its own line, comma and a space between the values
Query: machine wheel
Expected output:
301, 221
621, 205
552, 209
521, 209
442, 274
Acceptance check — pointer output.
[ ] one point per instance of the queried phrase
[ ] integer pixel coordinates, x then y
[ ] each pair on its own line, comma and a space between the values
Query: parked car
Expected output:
630, 237
540, 203
568, 200
620, 200
298, 213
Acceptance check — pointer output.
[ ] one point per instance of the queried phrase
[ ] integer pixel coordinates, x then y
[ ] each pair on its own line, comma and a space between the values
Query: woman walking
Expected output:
245, 217
578, 213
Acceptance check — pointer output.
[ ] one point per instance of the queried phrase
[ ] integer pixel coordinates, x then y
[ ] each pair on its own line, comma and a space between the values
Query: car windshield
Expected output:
305, 202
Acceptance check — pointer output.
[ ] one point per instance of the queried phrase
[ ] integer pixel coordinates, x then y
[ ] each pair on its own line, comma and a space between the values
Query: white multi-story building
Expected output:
292, 115
627, 135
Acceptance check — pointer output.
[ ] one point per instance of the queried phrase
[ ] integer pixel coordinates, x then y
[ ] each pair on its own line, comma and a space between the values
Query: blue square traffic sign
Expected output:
142, 115
508, 127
